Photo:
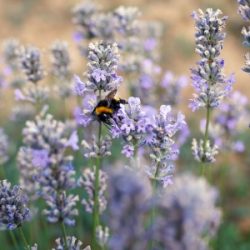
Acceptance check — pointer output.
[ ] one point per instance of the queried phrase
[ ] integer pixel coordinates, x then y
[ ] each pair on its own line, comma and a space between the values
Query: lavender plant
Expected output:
47, 171
101, 78
209, 82
14, 209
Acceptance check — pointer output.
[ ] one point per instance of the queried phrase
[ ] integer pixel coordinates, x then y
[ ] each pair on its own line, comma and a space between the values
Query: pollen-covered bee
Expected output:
107, 107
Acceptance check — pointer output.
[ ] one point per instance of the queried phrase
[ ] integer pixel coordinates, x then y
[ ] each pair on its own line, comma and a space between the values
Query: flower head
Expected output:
60, 59
209, 82
61, 208
87, 181
31, 64
13, 206
187, 214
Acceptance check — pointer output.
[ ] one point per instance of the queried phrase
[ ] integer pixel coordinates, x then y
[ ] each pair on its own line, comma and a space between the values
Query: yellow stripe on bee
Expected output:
117, 98
102, 109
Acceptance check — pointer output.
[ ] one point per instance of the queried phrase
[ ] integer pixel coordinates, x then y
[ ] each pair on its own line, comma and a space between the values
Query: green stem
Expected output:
153, 212
2, 172
25, 242
13, 238
96, 190
203, 167
64, 235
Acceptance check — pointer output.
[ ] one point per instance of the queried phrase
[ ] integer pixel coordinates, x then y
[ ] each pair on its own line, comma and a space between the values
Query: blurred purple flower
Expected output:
40, 158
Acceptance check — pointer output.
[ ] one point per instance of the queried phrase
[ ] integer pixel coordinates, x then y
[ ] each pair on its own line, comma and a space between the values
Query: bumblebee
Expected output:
106, 108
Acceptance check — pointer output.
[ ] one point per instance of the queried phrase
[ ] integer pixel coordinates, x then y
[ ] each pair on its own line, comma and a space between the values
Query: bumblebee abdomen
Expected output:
103, 110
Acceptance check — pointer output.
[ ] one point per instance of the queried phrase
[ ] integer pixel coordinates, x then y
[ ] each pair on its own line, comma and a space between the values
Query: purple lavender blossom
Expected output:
60, 59
130, 124
13, 206
187, 216
40, 158
31, 64
128, 194
43, 163
153, 132
61, 208
102, 67
86, 181
162, 147
209, 82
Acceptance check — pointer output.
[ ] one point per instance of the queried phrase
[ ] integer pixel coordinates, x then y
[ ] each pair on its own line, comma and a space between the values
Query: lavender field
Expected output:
124, 125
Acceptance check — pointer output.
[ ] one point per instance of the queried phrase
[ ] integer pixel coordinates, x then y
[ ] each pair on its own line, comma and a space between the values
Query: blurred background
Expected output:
40, 22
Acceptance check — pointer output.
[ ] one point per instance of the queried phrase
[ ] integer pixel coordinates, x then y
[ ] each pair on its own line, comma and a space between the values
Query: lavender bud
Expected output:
72, 244
31, 64
94, 149
87, 181
60, 59
61, 208
204, 154
102, 235
209, 82
13, 206
102, 66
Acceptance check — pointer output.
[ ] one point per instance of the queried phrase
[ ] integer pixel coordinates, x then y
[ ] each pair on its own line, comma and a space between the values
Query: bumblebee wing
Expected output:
111, 94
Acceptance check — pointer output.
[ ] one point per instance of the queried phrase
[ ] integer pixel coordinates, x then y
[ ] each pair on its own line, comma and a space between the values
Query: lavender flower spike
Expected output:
187, 215
102, 66
209, 82
31, 64
13, 206
72, 244
60, 59
87, 181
